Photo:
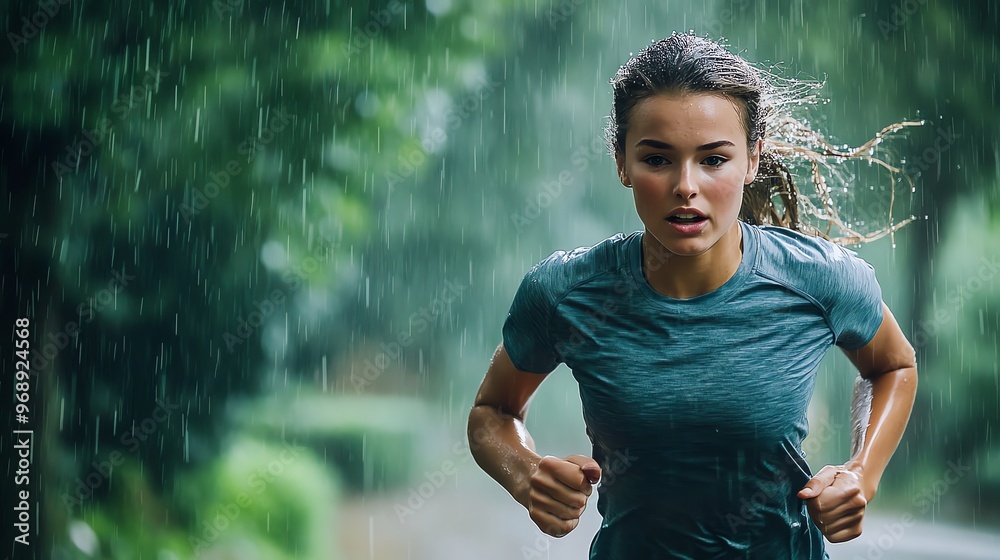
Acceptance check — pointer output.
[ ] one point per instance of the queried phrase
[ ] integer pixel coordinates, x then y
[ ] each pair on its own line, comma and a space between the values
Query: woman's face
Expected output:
684, 154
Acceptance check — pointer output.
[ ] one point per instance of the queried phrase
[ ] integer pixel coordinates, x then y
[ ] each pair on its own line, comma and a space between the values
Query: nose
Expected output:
685, 186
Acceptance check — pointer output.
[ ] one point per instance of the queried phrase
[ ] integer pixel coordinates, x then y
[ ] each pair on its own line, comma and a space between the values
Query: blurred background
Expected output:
266, 250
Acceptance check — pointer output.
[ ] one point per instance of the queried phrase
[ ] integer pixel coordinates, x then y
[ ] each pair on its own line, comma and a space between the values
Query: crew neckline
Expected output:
716, 296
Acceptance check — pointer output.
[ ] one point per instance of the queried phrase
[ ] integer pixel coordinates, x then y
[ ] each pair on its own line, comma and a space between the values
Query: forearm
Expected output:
893, 394
503, 448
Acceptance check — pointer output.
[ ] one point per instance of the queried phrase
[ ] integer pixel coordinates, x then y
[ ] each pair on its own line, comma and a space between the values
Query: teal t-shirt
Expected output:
697, 407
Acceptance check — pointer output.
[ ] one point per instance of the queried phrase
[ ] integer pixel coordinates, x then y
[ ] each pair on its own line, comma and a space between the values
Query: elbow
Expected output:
909, 366
911, 358
901, 362
901, 380
476, 419
484, 420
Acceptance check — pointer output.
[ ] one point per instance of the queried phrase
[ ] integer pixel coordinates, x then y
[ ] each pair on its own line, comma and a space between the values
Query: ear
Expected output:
622, 174
754, 164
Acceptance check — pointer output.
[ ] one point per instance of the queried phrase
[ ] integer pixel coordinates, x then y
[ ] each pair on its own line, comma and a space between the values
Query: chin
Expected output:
685, 246
688, 248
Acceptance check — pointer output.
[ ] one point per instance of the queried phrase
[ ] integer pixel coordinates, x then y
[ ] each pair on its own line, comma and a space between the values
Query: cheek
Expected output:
725, 185
647, 184
648, 194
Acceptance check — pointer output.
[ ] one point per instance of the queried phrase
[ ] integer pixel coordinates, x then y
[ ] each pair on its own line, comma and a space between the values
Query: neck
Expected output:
685, 277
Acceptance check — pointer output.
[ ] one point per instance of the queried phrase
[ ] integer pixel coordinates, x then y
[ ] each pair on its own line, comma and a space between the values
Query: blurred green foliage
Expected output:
259, 497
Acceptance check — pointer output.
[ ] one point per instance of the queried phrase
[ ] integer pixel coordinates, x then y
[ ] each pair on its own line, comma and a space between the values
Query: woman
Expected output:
695, 343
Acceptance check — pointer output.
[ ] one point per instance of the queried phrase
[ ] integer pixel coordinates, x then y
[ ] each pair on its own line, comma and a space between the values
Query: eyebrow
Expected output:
665, 146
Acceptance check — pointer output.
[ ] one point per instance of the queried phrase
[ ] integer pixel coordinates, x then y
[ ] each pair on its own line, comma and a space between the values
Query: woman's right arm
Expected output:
553, 490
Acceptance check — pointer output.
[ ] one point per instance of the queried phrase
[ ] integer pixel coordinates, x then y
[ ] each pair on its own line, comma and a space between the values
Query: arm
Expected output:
837, 495
500, 443
889, 362
553, 490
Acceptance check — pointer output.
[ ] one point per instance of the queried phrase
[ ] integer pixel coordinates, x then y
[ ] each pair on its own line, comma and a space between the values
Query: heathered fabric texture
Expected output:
697, 407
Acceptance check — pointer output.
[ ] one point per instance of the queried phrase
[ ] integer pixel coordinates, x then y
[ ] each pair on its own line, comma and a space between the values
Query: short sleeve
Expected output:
855, 311
526, 335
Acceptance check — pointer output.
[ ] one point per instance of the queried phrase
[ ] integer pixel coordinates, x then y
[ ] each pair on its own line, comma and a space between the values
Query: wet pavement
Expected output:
469, 516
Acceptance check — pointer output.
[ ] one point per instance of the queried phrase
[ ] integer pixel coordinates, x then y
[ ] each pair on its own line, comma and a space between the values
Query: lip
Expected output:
694, 211
687, 229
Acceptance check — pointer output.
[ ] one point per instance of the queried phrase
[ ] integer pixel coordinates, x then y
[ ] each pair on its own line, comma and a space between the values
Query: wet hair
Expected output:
688, 64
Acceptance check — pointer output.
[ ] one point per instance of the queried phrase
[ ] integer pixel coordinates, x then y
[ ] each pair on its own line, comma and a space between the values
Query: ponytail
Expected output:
774, 199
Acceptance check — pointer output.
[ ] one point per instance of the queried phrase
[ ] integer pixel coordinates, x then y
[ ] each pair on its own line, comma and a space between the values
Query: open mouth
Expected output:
686, 218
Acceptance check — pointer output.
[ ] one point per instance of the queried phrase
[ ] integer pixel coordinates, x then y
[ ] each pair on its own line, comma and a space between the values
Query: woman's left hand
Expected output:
836, 501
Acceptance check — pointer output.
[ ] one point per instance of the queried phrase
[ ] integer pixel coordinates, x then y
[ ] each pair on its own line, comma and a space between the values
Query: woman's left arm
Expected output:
837, 495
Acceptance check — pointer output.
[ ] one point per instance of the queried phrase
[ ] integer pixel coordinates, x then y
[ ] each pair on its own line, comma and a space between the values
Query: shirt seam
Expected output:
565, 293
807, 296
558, 302
749, 270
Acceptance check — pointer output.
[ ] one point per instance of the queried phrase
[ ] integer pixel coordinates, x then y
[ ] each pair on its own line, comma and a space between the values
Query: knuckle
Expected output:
538, 481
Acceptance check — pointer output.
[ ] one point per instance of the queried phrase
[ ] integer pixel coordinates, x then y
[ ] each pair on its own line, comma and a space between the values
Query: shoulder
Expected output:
562, 271
815, 267
834, 278
786, 252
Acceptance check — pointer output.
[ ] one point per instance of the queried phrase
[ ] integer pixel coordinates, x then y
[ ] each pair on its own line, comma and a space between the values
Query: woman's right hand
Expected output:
558, 493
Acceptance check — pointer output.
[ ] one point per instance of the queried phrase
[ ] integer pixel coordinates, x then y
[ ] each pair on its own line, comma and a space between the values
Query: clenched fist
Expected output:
836, 501
559, 489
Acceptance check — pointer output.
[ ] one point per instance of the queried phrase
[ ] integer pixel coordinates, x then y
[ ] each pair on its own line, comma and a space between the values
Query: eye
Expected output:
656, 160
715, 161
